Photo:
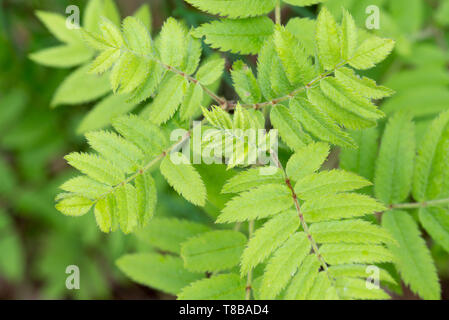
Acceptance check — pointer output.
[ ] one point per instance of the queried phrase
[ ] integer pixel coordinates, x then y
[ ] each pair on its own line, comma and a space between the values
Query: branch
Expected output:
425, 204
292, 94
301, 218
147, 166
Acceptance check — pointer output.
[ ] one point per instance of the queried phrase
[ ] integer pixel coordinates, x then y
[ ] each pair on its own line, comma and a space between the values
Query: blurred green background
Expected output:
37, 243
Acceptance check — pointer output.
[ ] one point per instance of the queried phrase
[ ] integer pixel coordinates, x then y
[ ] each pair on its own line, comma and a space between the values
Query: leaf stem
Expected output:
250, 272
301, 217
425, 204
147, 166
293, 93
277, 12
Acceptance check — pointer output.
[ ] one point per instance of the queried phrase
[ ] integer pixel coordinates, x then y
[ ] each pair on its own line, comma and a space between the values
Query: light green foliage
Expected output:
213, 251
263, 201
81, 87
363, 159
328, 40
245, 83
12, 264
268, 238
297, 217
349, 231
431, 168
220, 287
316, 185
183, 177
128, 202
307, 160
411, 256
245, 36
241, 9
283, 264
167, 272
436, 222
167, 234
358, 271
335, 207
249, 179
237, 139
394, 166
337, 254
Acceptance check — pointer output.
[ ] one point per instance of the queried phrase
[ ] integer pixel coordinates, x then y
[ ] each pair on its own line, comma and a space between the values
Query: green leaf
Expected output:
303, 3
167, 234
116, 149
412, 258
296, 62
173, 43
358, 271
364, 86
328, 182
349, 37
304, 279
162, 272
65, 56
431, 166
105, 61
137, 37
268, 238
264, 201
80, 87
85, 187
111, 33
245, 83
96, 9
213, 251
126, 197
244, 36
344, 117
394, 166
362, 160
105, 213
102, 114
322, 289
211, 70
304, 30
56, 24
289, 128
336, 254
350, 288
74, 206
328, 40
183, 177
372, 51
350, 100
146, 197
283, 265
220, 287
307, 160
143, 133
349, 231
166, 103
97, 168
436, 222
249, 179
340, 206
191, 104
318, 123
241, 9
